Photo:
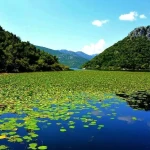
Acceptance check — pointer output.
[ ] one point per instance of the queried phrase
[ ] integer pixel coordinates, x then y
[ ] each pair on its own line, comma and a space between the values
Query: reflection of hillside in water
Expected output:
137, 100
139, 104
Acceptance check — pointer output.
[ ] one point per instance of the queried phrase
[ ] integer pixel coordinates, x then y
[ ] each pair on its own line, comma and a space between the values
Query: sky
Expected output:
90, 26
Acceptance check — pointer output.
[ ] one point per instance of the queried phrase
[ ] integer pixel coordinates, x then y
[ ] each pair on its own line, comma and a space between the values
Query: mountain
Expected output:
86, 56
18, 56
131, 53
69, 58
48, 50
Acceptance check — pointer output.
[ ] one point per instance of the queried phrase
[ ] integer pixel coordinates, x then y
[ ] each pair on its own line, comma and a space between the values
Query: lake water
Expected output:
76, 69
108, 125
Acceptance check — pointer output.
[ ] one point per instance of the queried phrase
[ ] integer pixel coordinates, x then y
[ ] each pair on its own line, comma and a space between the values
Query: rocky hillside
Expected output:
140, 32
131, 53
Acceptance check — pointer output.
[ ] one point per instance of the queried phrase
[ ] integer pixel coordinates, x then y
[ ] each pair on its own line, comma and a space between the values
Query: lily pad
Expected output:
134, 118
42, 147
71, 127
63, 130
3, 147
85, 126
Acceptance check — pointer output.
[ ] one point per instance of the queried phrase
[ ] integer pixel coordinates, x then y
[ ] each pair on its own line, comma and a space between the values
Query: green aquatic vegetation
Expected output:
71, 127
58, 124
32, 146
92, 123
108, 114
105, 105
84, 119
112, 118
71, 123
42, 147
3, 147
33, 135
30, 97
15, 138
2, 136
134, 118
114, 114
99, 116
85, 126
89, 113
63, 130
48, 123
27, 138
101, 125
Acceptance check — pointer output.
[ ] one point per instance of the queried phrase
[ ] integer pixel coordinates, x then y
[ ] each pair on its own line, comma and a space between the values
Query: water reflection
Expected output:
137, 100
128, 119
139, 104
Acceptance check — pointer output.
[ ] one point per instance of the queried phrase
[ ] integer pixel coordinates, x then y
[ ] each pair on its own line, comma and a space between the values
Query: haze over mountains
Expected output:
69, 58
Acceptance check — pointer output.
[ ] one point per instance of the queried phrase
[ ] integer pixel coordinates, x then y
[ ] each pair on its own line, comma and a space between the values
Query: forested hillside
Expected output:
131, 53
69, 58
18, 56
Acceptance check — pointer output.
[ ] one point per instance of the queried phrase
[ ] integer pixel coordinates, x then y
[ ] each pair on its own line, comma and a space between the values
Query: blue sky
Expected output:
87, 25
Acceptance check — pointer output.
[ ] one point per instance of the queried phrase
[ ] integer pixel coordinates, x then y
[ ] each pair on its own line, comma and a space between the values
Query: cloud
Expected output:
128, 119
129, 17
142, 16
99, 23
94, 48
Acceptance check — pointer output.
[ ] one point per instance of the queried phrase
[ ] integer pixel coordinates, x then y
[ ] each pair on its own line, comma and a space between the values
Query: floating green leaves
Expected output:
63, 130
33, 135
85, 126
15, 138
27, 138
2, 136
32, 146
3, 147
71, 127
134, 118
93, 123
42, 147
33, 98
100, 126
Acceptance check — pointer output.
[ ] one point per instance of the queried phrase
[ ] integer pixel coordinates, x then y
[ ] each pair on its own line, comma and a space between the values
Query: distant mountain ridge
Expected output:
86, 56
78, 53
130, 53
67, 57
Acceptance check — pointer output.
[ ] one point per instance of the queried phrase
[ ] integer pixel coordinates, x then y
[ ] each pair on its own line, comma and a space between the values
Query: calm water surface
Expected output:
124, 128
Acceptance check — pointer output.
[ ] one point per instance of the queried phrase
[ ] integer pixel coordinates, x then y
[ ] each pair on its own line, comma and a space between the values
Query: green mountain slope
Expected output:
131, 53
48, 50
18, 56
69, 58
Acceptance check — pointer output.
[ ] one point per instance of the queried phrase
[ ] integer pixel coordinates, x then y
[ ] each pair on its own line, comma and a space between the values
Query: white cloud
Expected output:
94, 48
129, 17
142, 16
129, 119
99, 23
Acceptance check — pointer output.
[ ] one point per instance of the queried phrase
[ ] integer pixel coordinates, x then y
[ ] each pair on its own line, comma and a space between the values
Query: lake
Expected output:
94, 125
75, 110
